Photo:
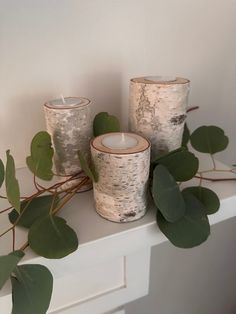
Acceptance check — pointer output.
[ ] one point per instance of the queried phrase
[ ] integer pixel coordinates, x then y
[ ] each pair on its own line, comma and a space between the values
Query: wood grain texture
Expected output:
157, 110
121, 191
71, 130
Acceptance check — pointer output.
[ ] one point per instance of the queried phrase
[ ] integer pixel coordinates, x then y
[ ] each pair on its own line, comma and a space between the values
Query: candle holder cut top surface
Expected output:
142, 144
70, 103
165, 80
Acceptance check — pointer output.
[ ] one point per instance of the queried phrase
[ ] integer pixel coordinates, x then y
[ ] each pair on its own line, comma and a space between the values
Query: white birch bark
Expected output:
157, 110
121, 191
70, 127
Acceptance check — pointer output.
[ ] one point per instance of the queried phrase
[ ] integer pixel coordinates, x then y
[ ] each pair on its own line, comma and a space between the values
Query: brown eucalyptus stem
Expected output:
217, 170
13, 239
24, 246
6, 209
192, 108
66, 199
213, 161
69, 196
38, 193
215, 179
35, 183
53, 202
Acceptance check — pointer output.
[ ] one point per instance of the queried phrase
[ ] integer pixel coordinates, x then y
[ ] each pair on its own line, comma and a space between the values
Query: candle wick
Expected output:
122, 137
63, 99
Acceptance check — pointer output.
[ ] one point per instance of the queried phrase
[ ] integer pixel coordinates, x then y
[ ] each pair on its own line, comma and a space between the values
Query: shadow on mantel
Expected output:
200, 280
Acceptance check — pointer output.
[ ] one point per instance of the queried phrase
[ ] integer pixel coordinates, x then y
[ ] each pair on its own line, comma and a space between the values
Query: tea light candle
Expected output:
120, 140
122, 161
67, 102
69, 123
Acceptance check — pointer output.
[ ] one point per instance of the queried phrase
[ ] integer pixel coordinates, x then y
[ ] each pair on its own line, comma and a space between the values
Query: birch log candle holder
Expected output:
69, 123
122, 161
157, 110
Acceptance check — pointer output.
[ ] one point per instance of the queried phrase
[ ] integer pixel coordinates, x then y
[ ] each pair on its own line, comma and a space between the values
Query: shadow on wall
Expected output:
104, 91
20, 118
193, 281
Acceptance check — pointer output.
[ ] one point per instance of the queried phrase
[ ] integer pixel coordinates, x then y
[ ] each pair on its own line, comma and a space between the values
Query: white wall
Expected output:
91, 48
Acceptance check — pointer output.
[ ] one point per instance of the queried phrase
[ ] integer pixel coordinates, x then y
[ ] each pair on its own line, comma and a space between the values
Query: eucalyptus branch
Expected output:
13, 239
35, 183
215, 179
53, 202
6, 209
217, 170
24, 246
192, 108
213, 161
69, 196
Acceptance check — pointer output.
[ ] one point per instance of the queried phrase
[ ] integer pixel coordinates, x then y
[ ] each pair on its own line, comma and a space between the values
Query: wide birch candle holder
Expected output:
122, 161
157, 110
69, 123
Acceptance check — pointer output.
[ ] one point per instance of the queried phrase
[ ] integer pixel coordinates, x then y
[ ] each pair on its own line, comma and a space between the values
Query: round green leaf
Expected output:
166, 194
34, 210
12, 185
8, 264
31, 289
192, 229
209, 139
2, 172
161, 156
182, 164
206, 196
51, 237
40, 160
105, 123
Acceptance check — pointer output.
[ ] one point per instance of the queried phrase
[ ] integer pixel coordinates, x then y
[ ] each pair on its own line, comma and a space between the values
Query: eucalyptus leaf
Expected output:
33, 210
182, 164
166, 194
40, 160
2, 172
105, 123
192, 229
7, 265
12, 185
158, 159
206, 196
186, 136
209, 139
51, 237
89, 170
31, 289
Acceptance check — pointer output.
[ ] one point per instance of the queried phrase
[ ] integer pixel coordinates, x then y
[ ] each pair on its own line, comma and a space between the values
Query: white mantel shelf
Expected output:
111, 266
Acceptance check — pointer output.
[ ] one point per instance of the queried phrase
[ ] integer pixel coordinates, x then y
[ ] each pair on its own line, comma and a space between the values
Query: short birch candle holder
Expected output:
69, 123
122, 161
157, 110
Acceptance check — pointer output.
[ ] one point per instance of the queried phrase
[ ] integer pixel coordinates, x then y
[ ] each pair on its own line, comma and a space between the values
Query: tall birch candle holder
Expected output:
157, 110
69, 123
122, 161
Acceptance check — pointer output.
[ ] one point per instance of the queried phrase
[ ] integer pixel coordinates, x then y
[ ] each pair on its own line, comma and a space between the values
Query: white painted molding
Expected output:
111, 266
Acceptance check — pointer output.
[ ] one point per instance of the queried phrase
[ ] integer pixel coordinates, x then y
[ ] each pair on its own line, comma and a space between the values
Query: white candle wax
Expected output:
160, 78
119, 141
65, 102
